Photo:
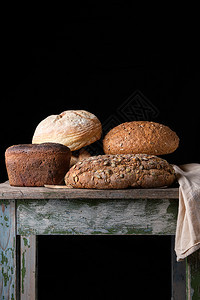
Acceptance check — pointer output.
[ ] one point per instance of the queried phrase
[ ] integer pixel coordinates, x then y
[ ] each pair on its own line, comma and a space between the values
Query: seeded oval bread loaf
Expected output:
140, 137
120, 171
38, 164
72, 128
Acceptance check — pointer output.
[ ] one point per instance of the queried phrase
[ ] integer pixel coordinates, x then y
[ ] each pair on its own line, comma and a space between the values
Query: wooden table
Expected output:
28, 212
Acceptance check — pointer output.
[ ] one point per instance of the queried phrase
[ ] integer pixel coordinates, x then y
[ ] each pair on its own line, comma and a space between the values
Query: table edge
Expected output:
9, 192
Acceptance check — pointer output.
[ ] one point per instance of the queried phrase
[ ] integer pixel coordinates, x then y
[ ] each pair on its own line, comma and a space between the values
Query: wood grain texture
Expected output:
7, 250
28, 268
141, 216
10, 192
72, 211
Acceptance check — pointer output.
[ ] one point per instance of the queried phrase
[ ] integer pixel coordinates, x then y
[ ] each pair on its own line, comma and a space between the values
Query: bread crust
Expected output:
37, 148
120, 171
78, 155
140, 137
38, 164
72, 128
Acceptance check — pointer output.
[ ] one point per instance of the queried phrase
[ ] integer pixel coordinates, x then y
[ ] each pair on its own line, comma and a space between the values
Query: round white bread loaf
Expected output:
72, 128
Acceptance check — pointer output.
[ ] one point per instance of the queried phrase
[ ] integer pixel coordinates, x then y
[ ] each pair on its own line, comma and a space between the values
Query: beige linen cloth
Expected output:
187, 238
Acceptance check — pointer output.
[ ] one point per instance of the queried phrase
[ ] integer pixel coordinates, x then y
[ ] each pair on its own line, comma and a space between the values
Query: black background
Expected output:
93, 57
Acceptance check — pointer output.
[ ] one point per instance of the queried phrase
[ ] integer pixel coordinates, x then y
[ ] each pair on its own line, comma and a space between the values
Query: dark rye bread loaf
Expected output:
37, 164
120, 171
140, 137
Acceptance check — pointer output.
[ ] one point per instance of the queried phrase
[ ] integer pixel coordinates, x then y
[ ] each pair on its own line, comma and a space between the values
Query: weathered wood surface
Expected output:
178, 275
141, 216
28, 276
9, 192
72, 211
193, 276
7, 250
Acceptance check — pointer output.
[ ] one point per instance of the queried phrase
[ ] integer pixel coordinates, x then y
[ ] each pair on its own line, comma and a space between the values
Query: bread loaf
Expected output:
72, 128
78, 155
120, 171
140, 137
38, 164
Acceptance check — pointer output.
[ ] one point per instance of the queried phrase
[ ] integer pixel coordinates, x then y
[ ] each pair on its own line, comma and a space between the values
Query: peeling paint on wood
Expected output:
7, 250
82, 212
178, 273
193, 276
28, 268
141, 216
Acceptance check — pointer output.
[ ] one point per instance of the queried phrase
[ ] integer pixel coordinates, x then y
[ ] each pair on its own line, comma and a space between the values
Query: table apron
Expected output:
96, 216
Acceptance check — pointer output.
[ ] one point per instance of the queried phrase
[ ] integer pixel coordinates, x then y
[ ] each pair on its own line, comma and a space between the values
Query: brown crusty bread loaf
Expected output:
120, 171
140, 137
36, 165
72, 128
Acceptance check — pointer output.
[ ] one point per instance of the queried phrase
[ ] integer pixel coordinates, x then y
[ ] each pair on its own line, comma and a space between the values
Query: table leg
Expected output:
193, 276
28, 280
178, 277
7, 250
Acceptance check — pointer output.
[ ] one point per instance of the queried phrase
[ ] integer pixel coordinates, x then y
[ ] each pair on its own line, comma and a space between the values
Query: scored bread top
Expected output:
72, 128
140, 137
120, 171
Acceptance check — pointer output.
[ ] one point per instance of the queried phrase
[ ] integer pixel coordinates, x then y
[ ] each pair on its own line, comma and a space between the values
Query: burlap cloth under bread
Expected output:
187, 238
